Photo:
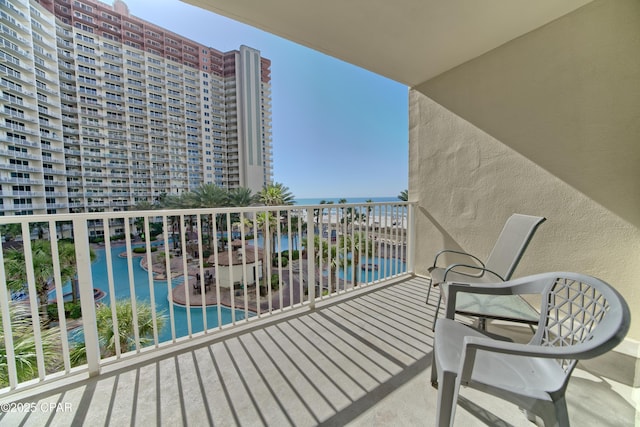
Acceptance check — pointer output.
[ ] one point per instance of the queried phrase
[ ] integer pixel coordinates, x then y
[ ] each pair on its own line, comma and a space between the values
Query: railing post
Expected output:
311, 260
87, 301
411, 237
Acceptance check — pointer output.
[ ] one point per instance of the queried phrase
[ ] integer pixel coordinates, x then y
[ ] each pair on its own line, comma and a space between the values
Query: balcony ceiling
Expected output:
410, 41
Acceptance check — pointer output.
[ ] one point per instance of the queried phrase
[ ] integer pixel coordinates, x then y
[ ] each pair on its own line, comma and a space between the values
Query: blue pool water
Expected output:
142, 291
378, 268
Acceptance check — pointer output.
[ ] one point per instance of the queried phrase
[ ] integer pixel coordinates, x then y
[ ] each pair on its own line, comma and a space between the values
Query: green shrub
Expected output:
295, 254
275, 281
275, 260
143, 249
71, 310
52, 311
75, 311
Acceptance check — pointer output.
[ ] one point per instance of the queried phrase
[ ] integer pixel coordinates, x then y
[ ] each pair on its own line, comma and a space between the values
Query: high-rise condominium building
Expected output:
100, 110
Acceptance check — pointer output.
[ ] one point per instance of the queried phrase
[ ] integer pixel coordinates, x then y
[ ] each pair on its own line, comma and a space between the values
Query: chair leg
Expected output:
562, 416
554, 414
435, 315
434, 368
429, 290
446, 392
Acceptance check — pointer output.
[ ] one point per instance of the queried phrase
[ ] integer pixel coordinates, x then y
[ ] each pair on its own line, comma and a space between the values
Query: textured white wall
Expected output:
486, 141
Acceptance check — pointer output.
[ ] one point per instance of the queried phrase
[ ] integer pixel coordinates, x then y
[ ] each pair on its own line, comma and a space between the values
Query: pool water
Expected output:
142, 292
377, 268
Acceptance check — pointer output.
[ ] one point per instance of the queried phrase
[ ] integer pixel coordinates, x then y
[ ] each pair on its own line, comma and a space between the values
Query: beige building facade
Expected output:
101, 110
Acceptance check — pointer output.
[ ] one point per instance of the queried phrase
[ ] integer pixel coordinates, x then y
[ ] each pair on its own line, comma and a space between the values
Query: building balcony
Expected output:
337, 352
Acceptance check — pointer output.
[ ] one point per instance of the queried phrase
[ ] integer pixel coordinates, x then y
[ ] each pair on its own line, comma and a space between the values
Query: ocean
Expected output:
311, 201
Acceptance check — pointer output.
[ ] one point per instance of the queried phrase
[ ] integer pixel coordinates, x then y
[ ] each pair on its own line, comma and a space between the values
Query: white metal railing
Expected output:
204, 270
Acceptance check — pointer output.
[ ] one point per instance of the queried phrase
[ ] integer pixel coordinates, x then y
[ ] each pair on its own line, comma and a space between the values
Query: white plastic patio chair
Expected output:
500, 265
581, 317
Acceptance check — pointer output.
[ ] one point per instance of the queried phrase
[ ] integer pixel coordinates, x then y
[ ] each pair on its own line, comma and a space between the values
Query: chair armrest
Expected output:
482, 269
472, 344
435, 260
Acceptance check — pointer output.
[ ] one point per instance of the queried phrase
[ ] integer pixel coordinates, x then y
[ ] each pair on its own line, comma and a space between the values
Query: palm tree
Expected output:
209, 196
241, 197
369, 209
161, 258
16, 268
357, 245
266, 220
317, 214
276, 194
173, 201
126, 337
329, 257
143, 205
24, 345
340, 219
404, 196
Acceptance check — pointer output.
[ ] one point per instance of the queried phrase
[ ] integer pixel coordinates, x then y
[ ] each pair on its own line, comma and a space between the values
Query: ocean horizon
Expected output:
316, 201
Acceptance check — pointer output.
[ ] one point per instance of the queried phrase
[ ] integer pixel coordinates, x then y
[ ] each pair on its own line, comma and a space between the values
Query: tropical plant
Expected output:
317, 213
41, 257
106, 336
369, 209
268, 223
327, 255
241, 197
144, 205
404, 196
161, 258
209, 196
10, 231
357, 244
276, 194
24, 345
340, 219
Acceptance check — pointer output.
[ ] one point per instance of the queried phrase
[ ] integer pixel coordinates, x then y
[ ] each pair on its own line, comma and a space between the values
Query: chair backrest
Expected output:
583, 313
511, 244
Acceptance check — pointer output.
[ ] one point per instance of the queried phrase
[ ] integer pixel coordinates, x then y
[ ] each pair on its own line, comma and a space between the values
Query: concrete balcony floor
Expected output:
362, 360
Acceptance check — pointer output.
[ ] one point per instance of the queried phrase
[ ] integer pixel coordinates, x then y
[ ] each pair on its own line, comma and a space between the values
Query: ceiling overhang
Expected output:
410, 41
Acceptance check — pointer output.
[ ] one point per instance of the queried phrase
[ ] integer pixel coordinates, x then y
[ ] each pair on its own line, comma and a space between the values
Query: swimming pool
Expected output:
143, 294
378, 268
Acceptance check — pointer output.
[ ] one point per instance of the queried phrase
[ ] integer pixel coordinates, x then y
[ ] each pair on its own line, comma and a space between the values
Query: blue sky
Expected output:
338, 130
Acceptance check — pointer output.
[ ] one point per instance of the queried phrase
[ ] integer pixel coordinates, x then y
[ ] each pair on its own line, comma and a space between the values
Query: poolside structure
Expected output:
514, 106
241, 264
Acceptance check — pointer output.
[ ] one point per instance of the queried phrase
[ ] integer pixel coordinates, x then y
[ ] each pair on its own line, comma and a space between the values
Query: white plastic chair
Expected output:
500, 265
581, 317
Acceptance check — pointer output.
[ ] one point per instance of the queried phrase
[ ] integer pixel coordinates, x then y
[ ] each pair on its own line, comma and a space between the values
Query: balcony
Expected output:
337, 352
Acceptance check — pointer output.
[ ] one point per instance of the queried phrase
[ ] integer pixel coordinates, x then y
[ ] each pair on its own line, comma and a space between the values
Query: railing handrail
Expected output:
186, 211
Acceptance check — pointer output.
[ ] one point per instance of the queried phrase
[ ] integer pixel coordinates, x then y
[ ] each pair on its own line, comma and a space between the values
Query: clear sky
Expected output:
338, 130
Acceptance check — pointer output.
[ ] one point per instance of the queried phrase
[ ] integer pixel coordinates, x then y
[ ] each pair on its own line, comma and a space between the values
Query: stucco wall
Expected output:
545, 125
